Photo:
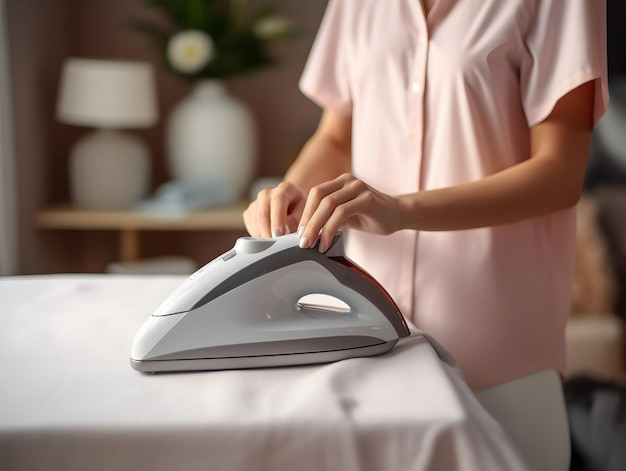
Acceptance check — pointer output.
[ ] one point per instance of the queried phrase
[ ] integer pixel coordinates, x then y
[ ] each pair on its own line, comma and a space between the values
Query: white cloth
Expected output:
69, 398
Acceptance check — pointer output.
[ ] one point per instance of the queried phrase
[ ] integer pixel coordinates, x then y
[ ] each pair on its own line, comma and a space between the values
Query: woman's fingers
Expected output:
284, 197
256, 216
327, 208
275, 211
346, 202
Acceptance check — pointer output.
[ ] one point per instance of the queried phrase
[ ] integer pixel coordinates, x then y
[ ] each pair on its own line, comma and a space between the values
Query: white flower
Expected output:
272, 27
190, 50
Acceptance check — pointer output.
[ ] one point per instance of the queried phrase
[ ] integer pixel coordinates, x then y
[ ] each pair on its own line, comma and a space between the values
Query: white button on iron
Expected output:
252, 245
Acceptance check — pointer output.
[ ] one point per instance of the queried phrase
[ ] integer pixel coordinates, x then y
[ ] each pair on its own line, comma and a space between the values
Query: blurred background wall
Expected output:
42, 33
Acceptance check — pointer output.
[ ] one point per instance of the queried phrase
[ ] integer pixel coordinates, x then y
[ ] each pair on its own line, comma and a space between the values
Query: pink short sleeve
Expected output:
566, 47
325, 76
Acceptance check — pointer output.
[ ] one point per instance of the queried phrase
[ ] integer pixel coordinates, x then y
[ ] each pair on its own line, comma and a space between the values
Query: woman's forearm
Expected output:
527, 190
326, 154
319, 160
551, 180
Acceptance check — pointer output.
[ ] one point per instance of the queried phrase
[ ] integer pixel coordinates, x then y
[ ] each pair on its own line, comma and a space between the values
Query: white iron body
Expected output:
244, 310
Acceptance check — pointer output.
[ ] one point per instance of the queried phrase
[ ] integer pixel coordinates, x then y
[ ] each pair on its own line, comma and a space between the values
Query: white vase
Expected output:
211, 137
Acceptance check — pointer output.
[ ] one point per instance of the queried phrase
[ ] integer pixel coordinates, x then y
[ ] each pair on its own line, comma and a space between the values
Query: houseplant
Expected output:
210, 135
216, 39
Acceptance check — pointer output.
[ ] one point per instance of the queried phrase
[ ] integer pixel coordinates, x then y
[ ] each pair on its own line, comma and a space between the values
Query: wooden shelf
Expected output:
68, 217
129, 223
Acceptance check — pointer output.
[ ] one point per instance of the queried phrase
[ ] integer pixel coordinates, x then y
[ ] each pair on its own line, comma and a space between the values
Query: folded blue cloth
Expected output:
189, 195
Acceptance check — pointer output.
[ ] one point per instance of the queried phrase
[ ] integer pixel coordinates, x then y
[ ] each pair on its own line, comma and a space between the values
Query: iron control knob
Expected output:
251, 245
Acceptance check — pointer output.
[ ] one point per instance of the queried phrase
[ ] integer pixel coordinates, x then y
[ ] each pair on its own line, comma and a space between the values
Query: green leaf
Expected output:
156, 33
264, 12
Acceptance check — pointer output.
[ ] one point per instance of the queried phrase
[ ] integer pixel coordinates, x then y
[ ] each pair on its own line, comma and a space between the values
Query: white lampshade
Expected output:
107, 93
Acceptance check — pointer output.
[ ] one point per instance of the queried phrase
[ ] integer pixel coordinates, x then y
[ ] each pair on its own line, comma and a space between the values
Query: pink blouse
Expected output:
448, 99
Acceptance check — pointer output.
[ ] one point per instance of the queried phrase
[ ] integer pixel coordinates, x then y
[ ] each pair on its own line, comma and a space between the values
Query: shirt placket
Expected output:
416, 95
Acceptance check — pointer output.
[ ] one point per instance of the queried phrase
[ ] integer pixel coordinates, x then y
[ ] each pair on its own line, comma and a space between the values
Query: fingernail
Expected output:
275, 233
287, 230
304, 243
300, 231
322, 246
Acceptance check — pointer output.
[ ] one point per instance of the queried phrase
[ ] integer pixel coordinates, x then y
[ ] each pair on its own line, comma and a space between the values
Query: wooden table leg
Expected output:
129, 245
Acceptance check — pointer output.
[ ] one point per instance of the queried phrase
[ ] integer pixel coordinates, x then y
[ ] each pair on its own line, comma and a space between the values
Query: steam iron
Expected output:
247, 309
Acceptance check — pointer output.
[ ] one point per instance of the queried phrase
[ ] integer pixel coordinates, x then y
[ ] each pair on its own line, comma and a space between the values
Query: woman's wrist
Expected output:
409, 213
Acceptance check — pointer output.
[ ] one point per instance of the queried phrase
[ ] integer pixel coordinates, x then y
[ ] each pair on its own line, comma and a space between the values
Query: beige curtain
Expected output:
8, 187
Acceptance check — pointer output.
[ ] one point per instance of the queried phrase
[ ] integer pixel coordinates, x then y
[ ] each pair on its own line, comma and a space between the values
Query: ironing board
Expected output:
70, 400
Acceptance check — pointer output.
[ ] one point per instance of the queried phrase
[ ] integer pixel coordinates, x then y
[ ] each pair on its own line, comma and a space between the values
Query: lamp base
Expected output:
109, 170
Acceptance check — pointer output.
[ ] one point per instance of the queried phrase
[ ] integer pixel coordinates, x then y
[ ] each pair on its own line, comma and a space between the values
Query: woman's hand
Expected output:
325, 155
276, 211
346, 202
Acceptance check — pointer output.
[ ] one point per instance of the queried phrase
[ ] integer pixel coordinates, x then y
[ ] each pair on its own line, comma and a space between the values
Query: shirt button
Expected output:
415, 87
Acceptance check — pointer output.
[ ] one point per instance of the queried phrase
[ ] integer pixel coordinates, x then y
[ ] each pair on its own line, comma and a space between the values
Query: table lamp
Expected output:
108, 168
